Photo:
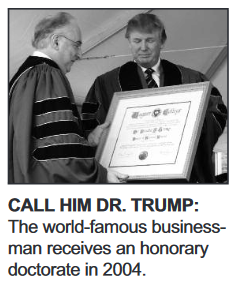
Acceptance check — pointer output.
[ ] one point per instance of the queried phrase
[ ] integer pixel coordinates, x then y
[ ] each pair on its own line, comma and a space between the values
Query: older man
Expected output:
146, 36
46, 135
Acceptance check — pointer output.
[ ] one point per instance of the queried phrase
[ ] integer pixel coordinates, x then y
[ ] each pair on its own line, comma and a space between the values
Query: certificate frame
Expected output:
154, 133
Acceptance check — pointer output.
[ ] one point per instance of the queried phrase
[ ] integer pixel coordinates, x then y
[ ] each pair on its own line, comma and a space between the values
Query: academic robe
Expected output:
46, 136
130, 77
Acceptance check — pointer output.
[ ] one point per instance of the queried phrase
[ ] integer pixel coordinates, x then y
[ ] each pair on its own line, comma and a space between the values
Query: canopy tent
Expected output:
197, 38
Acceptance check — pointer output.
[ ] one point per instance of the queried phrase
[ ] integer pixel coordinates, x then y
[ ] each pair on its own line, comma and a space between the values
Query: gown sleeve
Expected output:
96, 95
46, 141
213, 127
101, 93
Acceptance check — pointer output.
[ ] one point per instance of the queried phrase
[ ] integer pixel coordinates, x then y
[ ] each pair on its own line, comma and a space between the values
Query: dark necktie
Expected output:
151, 83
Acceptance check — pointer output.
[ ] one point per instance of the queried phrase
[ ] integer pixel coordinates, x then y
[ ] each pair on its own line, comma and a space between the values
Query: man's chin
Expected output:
68, 68
144, 62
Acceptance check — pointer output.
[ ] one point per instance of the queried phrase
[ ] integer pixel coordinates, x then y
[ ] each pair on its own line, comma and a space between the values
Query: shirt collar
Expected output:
40, 54
156, 67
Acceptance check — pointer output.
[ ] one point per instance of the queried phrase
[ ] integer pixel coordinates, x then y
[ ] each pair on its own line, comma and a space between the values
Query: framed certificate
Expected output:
154, 133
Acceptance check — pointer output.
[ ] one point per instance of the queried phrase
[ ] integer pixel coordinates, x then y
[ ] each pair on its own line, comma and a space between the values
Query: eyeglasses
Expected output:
76, 44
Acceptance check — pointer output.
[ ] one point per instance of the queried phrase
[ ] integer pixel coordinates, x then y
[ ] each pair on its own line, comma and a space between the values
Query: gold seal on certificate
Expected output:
154, 132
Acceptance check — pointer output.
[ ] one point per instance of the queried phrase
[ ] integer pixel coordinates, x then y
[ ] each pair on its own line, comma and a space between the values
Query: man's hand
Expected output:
115, 177
95, 136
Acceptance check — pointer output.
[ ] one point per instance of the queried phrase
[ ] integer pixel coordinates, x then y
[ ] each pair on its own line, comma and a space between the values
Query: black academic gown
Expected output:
130, 77
46, 136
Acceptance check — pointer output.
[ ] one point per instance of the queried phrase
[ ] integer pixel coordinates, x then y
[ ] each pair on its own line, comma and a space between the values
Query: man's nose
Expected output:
79, 54
143, 45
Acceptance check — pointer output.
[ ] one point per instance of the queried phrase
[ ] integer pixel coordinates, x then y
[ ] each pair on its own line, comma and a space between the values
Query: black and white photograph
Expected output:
66, 69
122, 163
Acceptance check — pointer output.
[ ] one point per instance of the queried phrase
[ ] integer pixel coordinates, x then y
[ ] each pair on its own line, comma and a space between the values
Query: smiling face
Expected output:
145, 47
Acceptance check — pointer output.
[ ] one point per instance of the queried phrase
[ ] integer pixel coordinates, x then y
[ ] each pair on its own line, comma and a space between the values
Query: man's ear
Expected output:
55, 41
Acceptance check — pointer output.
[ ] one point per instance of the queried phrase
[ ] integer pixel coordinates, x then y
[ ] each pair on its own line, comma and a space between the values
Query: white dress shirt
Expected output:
156, 74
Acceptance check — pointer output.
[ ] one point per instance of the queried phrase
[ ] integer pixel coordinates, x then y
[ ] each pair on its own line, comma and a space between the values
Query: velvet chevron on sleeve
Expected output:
46, 137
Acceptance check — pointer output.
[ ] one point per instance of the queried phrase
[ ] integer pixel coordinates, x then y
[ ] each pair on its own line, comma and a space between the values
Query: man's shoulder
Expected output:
188, 75
188, 71
29, 64
38, 71
110, 73
115, 72
180, 67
